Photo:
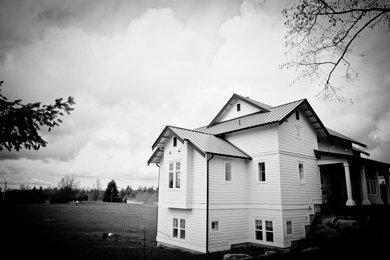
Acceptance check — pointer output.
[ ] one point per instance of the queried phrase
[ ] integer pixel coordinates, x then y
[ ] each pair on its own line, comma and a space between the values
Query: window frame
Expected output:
287, 228
179, 229
263, 231
301, 180
174, 175
177, 174
218, 225
225, 172
259, 172
175, 228
298, 129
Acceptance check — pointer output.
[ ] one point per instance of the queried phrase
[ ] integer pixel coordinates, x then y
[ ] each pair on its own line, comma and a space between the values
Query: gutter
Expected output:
207, 202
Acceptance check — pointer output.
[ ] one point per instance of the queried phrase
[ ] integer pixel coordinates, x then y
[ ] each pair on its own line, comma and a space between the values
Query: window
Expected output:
177, 175
261, 173
297, 115
301, 173
175, 227
174, 141
228, 171
259, 229
269, 231
170, 184
182, 228
318, 139
289, 227
238, 107
298, 131
179, 231
215, 225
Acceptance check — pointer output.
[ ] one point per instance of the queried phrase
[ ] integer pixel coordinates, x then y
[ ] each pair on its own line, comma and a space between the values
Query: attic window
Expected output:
174, 141
238, 107
297, 115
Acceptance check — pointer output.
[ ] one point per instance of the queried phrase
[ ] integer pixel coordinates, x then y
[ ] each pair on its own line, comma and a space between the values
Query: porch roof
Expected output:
352, 158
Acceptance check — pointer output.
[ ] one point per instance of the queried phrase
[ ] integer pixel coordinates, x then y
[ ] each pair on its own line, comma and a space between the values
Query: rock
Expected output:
236, 257
311, 250
328, 221
270, 252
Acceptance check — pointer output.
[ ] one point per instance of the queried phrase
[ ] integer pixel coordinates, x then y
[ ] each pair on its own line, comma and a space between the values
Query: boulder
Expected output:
236, 257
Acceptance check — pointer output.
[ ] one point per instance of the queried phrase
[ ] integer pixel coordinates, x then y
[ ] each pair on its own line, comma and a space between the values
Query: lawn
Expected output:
75, 231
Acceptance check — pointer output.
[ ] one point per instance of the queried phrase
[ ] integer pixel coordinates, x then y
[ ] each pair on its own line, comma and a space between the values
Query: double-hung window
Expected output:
261, 172
228, 171
174, 175
179, 228
264, 230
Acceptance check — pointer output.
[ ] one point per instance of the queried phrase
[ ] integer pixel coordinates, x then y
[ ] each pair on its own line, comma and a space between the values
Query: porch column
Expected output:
365, 200
350, 201
387, 187
380, 201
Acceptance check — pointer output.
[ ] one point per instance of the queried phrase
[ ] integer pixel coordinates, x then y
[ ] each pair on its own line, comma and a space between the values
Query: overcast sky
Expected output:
135, 66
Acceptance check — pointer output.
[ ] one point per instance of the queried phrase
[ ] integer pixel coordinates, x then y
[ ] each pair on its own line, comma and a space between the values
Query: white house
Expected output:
257, 174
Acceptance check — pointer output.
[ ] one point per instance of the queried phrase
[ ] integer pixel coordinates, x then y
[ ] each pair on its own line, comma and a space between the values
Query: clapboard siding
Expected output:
232, 112
288, 140
227, 192
294, 150
294, 192
299, 219
266, 214
232, 229
195, 231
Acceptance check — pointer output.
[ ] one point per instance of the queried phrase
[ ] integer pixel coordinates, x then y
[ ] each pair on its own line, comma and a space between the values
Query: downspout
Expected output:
158, 191
207, 202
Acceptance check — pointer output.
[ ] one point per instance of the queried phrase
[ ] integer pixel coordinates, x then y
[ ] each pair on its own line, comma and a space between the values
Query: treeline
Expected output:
27, 194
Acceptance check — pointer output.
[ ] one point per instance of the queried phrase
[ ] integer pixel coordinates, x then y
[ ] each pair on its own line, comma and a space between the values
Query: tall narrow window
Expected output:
175, 230
298, 131
238, 107
269, 231
301, 173
228, 171
297, 115
170, 184
288, 227
178, 175
215, 225
259, 229
174, 141
261, 173
182, 228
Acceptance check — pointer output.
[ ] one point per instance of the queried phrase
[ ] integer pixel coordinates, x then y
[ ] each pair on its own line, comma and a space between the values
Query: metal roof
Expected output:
202, 142
336, 134
275, 114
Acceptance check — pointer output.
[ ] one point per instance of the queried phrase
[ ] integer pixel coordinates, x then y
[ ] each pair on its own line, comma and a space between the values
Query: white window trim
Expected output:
174, 174
257, 172
264, 241
292, 227
301, 182
296, 131
231, 171
219, 225
179, 228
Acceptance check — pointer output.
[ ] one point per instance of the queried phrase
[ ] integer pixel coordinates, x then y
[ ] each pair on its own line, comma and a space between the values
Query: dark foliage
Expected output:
20, 123
111, 193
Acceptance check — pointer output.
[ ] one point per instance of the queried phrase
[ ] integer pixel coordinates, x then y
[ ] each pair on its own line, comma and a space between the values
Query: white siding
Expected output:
232, 112
195, 228
299, 219
293, 151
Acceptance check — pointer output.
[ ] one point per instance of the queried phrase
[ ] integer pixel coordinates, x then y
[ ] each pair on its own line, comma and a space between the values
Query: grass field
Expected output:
75, 231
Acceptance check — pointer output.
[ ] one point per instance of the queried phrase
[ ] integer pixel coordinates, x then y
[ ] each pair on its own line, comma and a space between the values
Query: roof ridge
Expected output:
303, 99
196, 131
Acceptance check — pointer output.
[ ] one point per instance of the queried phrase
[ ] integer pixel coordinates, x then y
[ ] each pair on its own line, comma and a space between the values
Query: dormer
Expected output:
239, 106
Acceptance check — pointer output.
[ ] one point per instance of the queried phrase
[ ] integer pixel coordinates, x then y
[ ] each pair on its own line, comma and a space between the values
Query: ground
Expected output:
75, 231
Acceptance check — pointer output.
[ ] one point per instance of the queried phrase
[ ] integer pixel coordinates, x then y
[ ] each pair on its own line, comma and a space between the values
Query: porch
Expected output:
348, 180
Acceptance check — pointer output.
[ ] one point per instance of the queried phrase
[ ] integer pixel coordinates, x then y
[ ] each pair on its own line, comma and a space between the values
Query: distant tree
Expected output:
67, 187
111, 192
321, 34
20, 123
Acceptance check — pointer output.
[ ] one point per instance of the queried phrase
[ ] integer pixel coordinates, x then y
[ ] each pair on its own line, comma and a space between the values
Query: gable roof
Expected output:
202, 142
276, 114
338, 135
262, 107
